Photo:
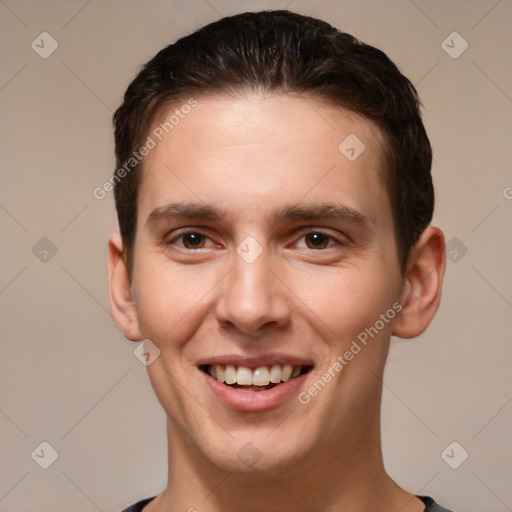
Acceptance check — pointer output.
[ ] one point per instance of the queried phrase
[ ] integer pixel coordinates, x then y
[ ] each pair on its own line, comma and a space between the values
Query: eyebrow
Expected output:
205, 212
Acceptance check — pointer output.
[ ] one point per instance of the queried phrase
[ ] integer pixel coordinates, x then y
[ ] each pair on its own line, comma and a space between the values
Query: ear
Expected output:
122, 305
423, 283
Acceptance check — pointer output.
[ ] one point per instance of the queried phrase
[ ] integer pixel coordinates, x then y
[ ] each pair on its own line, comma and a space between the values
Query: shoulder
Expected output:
431, 505
137, 507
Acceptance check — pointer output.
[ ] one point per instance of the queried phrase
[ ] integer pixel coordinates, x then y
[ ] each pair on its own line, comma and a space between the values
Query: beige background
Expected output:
70, 379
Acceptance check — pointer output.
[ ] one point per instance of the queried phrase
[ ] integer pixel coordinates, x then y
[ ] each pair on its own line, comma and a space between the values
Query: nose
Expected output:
253, 296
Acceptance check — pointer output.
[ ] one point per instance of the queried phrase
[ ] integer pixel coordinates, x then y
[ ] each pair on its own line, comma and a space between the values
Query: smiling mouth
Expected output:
261, 378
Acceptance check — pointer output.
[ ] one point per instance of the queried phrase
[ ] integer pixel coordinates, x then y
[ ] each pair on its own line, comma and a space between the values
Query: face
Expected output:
265, 248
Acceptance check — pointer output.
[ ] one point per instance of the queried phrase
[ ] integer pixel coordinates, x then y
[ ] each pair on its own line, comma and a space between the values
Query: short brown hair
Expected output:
287, 53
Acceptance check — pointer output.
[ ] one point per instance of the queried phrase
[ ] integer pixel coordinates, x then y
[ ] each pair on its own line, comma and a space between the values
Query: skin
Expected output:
254, 156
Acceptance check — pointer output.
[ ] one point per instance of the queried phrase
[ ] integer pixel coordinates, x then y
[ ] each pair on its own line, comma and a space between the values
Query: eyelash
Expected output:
329, 237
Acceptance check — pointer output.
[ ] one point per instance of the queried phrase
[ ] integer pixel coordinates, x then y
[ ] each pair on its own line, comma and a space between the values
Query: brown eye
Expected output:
316, 240
193, 241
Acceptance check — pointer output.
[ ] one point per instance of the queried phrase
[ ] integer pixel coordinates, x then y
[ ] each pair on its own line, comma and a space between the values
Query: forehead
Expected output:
256, 153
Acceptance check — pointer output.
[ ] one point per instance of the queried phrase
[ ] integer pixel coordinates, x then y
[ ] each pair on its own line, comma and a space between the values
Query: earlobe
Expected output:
122, 305
423, 284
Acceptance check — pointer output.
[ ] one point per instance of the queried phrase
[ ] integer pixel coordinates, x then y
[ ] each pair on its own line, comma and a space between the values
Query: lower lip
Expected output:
254, 400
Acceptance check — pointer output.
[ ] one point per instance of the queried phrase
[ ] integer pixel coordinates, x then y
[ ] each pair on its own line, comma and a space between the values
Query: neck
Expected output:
343, 474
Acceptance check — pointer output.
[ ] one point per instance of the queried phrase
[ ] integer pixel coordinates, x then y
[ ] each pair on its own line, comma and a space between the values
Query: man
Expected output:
274, 197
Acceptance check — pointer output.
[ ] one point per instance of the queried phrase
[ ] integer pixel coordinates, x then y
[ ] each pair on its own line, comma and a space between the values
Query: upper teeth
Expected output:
261, 376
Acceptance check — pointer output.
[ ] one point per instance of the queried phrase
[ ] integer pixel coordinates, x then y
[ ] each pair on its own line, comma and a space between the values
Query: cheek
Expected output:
343, 301
169, 300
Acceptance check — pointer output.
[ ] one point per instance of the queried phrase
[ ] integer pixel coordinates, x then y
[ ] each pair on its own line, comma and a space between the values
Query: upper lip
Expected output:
255, 361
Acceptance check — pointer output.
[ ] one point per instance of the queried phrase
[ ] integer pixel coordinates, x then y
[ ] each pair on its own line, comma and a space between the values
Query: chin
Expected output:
259, 454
